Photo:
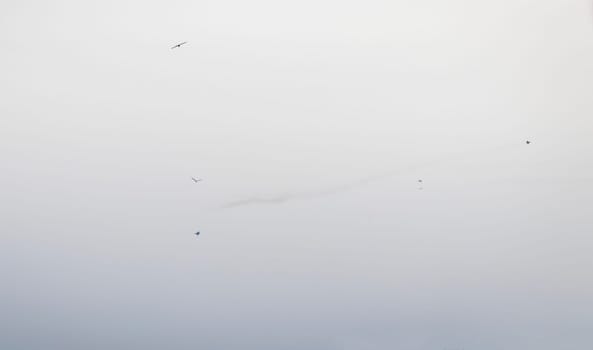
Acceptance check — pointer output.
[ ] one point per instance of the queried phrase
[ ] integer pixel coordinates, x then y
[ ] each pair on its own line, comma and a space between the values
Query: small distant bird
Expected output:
195, 180
198, 233
178, 45
527, 142
420, 180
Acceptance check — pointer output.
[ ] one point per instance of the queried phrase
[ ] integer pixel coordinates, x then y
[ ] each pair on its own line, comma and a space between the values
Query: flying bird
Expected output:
178, 45
195, 180
197, 233
527, 142
420, 180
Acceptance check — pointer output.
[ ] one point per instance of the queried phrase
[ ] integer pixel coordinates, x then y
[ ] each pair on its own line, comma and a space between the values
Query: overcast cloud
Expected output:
326, 113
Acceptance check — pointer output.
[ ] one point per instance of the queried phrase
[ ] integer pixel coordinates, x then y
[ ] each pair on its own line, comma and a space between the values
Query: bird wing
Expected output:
179, 45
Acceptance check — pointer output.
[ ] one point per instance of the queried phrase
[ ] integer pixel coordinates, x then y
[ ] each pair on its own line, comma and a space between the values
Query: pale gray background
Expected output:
317, 117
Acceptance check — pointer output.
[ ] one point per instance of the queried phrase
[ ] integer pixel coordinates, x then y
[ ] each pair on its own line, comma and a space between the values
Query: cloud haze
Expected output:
275, 102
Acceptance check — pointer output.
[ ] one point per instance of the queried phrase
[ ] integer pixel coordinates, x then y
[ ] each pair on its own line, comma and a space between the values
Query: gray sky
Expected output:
310, 123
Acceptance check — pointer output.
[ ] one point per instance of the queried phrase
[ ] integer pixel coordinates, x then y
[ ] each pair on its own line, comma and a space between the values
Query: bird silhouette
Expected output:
527, 142
178, 45
195, 180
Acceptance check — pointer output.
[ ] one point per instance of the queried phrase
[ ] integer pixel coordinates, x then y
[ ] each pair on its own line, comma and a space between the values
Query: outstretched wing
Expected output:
179, 45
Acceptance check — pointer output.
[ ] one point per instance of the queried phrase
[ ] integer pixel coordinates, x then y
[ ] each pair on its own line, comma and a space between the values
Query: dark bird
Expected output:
178, 45
198, 233
195, 180
527, 142
420, 180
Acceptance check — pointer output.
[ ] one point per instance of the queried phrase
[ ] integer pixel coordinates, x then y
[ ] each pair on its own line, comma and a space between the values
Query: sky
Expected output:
310, 123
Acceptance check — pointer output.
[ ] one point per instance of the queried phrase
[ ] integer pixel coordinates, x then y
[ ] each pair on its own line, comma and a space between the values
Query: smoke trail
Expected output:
281, 198
259, 200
